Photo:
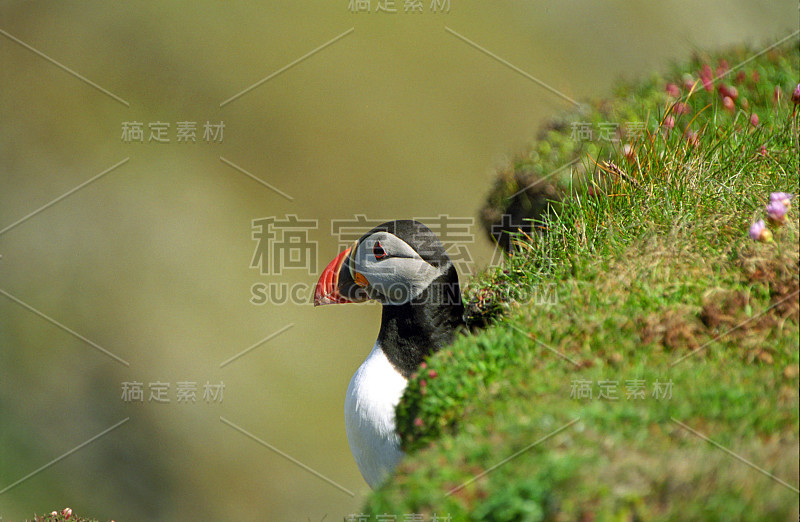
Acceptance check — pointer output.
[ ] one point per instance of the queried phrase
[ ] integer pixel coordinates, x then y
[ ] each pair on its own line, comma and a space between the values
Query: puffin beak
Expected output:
328, 289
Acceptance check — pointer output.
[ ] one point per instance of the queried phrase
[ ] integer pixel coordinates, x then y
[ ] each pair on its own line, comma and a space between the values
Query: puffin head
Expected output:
397, 263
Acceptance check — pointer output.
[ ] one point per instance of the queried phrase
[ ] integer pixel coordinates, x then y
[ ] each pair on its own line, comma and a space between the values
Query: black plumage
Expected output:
412, 331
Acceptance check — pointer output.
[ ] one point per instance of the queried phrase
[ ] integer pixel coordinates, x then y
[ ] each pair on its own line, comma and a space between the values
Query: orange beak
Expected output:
327, 291
339, 283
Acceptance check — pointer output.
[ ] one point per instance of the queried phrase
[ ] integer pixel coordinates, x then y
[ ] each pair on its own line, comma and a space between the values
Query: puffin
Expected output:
403, 266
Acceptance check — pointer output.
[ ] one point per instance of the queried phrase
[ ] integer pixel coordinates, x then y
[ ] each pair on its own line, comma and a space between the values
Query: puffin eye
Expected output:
378, 251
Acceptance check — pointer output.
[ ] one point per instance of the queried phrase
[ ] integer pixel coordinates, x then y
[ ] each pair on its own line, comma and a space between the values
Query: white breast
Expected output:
372, 395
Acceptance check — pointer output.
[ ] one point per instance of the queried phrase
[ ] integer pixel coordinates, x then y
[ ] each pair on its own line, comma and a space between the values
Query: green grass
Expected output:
644, 273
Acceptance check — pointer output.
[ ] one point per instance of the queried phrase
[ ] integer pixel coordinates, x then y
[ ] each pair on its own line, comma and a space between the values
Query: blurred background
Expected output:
146, 274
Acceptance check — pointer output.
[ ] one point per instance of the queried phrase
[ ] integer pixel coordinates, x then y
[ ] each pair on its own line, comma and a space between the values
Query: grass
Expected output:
642, 288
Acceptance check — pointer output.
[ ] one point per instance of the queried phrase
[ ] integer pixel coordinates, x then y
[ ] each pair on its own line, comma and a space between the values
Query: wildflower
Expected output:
796, 95
781, 197
67, 512
763, 150
741, 76
706, 76
628, 151
722, 68
673, 90
776, 212
729, 91
669, 122
727, 102
681, 108
432, 374
759, 232
418, 422
693, 138
754, 119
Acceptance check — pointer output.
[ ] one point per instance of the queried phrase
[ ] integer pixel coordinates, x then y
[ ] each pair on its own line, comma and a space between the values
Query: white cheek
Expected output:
400, 280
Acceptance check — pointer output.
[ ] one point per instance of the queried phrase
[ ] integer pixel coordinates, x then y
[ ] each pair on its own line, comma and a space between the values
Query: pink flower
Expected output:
783, 198
729, 91
756, 229
796, 95
708, 85
763, 150
681, 108
432, 374
727, 102
754, 119
693, 138
759, 232
669, 122
673, 90
418, 422
67, 512
776, 212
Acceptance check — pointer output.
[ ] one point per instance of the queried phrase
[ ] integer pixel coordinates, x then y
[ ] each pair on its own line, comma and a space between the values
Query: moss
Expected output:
639, 319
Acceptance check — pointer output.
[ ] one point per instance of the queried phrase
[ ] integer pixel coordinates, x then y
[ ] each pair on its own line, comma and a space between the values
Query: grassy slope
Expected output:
636, 270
